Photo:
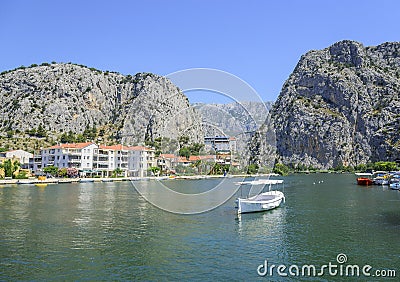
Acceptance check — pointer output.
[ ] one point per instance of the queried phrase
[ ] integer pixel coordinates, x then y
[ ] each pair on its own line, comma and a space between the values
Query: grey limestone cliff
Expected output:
69, 97
341, 106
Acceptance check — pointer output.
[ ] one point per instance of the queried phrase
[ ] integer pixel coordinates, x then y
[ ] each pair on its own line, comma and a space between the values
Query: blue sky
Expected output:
258, 41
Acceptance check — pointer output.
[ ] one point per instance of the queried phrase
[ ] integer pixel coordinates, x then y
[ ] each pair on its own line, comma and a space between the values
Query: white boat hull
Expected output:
395, 186
262, 202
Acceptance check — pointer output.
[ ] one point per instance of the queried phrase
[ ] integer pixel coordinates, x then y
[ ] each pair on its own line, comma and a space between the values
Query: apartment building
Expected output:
220, 143
140, 160
77, 155
92, 159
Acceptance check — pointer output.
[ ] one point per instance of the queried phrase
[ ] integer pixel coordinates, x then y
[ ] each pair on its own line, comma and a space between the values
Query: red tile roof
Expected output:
114, 147
195, 158
140, 148
71, 146
168, 156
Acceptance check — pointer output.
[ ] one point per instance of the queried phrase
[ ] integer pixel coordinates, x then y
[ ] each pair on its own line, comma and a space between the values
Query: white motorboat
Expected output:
263, 201
395, 185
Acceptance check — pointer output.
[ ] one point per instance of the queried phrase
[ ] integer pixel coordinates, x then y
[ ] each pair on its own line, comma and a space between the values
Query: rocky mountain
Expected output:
341, 106
232, 119
241, 120
68, 97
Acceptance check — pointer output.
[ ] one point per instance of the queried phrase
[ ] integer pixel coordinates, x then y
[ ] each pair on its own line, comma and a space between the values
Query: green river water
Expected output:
108, 232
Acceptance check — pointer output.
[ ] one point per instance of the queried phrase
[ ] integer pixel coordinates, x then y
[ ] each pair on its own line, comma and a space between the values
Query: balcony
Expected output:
73, 158
100, 166
72, 153
100, 162
72, 163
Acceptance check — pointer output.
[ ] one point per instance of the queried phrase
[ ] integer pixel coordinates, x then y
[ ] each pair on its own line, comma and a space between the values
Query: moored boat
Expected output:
395, 183
85, 180
364, 181
395, 186
263, 201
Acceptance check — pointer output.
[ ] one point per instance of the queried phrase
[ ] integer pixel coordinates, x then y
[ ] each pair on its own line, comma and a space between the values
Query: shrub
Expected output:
281, 169
252, 169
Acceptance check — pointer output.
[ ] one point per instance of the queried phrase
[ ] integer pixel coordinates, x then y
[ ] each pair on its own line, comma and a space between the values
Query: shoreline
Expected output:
119, 179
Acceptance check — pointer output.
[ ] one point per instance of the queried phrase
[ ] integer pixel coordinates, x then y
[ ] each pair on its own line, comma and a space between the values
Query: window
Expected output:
63, 157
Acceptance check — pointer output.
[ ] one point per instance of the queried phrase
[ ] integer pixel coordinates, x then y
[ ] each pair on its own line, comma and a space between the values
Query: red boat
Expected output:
364, 181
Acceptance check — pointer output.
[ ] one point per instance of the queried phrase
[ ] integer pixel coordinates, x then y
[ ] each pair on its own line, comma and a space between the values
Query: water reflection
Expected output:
266, 223
187, 197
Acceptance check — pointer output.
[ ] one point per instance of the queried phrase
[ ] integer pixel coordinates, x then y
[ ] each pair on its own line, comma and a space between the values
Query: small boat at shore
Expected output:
365, 181
86, 180
395, 186
263, 201
395, 183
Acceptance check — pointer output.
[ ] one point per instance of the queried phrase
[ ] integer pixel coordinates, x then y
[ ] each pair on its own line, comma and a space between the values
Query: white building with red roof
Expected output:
77, 155
140, 160
102, 160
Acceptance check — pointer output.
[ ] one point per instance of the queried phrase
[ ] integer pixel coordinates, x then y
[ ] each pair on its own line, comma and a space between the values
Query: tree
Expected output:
89, 133
155, 170
53, 170
68, 137
22, 174
41, 132
117, 172
219, 168
183, 140
184, 152
281, 169
386, 166
10, 167
252, 169
62, 172
195, 149
80, 138
31, 132
197, 165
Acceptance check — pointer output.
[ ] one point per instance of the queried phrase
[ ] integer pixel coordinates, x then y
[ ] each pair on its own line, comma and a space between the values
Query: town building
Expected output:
100, 160
77, 155
140, 160
220, 143
167, 163
20, 155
